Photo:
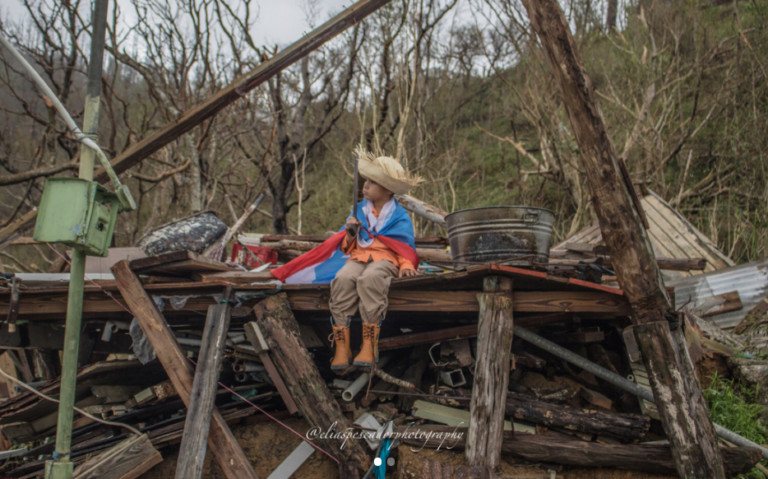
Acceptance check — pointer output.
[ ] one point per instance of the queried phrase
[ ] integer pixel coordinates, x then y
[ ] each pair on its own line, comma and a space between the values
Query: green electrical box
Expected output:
79, 213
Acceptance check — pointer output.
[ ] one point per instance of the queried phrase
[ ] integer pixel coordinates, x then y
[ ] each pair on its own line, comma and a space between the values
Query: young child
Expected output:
382, 248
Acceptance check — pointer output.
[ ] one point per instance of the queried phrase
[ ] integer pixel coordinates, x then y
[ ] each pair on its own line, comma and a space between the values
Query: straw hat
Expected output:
386, 171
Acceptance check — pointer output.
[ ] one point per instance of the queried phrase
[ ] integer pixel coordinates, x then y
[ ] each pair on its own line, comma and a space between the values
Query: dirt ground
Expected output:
267, 444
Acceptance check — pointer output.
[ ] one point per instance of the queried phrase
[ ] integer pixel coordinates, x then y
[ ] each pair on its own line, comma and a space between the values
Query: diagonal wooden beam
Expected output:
222, 442
243, 84
678, 396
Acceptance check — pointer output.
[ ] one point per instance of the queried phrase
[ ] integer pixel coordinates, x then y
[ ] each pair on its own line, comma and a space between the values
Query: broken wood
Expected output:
714, 305
489, 392
298, 370
259, 343
128, 459
202, 398
425, 210
626, 427
687, 422
561, 449
222, 442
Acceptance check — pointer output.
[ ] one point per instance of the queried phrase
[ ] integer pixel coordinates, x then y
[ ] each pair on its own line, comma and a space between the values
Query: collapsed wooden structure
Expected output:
488, 302
560, 414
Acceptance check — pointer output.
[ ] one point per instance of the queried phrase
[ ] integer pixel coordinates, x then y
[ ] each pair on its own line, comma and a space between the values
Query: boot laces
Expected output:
369, 331
337, 335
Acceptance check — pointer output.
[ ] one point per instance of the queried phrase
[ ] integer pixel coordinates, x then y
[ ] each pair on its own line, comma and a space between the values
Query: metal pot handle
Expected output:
531, 217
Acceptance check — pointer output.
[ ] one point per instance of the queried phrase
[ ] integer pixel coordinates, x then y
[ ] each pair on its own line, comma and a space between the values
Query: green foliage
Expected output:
733, 406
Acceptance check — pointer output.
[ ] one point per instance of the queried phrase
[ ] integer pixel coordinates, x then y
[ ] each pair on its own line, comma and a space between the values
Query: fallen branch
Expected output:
386, 377
16, 178
162, 175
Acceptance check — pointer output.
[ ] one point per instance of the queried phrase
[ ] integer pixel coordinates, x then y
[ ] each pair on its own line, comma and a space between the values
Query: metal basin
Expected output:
512, 235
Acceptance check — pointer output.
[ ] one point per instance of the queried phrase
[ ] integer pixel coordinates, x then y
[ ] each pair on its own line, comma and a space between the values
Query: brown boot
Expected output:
369, 351
343, 353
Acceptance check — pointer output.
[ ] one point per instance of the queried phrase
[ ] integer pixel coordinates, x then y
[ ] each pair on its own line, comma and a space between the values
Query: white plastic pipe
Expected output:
358, 384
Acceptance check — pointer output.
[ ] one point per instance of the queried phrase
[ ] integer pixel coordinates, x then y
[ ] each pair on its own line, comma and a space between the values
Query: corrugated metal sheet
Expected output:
672, 236
750, 280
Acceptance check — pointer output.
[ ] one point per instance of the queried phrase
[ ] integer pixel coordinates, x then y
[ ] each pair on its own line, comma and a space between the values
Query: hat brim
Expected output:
374, 173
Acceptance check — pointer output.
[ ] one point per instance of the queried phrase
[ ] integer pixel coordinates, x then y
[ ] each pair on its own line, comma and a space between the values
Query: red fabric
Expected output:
317, 254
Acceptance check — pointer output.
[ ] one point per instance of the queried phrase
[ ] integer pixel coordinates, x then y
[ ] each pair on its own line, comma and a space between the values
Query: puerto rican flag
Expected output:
320, 265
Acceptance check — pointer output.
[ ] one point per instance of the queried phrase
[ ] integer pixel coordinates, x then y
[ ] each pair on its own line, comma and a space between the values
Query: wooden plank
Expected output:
721, 303
128, 459
627, 427
297, 368
256, 338
201, 402
178, 263
466, 301
489, 390
222, 442
683, 236
450, 416
269, 68
96, 303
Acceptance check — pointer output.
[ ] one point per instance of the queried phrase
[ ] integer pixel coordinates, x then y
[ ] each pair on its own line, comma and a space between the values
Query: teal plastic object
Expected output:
78, 213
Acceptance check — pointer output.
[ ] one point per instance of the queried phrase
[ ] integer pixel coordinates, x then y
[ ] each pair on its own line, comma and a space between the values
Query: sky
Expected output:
278, 21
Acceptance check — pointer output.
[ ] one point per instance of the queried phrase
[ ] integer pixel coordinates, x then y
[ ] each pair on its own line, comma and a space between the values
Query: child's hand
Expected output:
353, 226
407, 273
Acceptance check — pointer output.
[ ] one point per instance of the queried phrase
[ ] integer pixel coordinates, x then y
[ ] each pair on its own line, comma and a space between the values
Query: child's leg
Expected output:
343, 302
373, 288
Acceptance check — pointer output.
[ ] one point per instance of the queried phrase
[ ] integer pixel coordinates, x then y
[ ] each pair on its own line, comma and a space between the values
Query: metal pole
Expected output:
61, 466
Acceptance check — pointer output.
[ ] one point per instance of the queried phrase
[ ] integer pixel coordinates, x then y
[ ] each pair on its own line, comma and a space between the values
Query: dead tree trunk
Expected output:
489, 392
296, 366
686, 421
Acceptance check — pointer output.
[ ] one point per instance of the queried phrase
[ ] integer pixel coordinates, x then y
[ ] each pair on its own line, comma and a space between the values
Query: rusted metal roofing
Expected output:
672, 236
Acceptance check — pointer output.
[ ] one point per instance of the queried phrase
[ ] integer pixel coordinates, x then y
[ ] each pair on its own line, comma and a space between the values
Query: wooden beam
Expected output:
222, 442
687, 422
554, 448
45, 305
128, 459
298, 370
201, 402
466, 301
256, 338
627, 427
196, 115
489, 391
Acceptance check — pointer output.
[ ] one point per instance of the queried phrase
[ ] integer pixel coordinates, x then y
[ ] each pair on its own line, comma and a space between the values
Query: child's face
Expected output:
373, 191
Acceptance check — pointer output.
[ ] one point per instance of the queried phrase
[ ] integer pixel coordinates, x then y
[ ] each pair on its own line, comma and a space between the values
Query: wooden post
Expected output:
686, 422
201, 402
489, 392
298, 370
222, 442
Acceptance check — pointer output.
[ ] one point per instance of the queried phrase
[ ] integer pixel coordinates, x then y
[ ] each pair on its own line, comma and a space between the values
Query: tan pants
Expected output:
362, 286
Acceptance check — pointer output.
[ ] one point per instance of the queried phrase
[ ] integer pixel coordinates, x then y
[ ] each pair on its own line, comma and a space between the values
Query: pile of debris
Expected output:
276, 356
177, 341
